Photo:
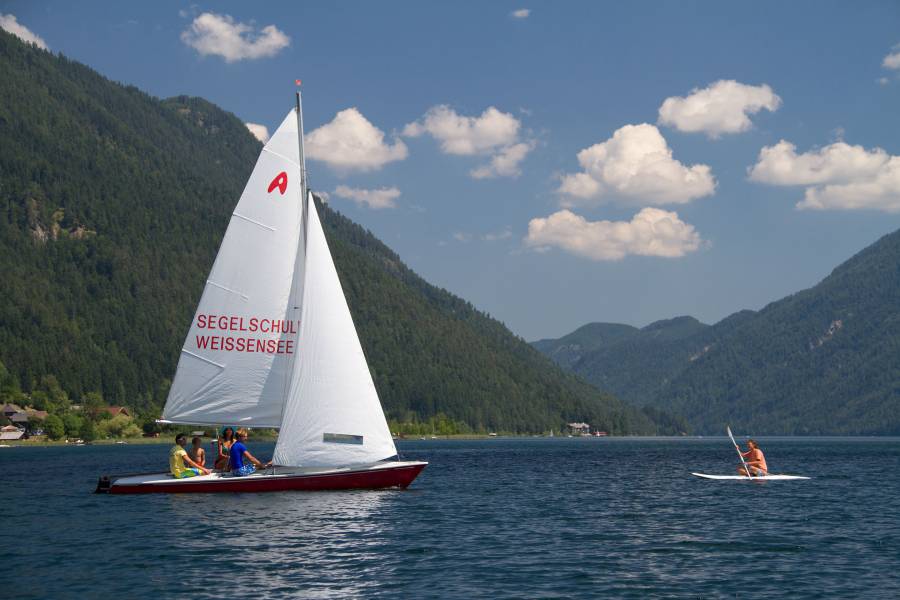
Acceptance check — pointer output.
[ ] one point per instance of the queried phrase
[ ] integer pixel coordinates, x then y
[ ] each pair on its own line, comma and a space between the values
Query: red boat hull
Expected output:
370, 478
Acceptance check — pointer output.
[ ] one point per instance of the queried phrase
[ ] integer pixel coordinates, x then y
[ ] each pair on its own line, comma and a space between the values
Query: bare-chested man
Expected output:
756, 461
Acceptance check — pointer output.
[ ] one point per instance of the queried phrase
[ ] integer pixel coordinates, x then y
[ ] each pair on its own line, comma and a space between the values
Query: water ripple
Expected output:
617, 518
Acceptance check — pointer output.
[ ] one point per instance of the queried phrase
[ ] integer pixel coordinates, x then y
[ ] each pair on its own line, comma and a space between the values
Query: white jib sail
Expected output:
333, 416
236, 361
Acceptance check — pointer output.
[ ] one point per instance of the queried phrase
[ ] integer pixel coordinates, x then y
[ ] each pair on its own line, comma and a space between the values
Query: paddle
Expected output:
738, 448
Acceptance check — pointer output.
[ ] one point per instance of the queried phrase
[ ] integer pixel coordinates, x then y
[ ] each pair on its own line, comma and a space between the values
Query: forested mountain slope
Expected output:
112, 206
635, 364
822, 361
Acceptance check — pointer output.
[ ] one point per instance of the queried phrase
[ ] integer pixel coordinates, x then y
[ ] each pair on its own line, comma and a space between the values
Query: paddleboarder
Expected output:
755, 461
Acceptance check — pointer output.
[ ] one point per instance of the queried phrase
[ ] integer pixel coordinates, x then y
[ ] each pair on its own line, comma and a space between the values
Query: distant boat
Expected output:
273, 345
492, 434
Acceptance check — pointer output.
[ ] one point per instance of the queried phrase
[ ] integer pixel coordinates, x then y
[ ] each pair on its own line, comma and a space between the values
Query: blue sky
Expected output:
555, 163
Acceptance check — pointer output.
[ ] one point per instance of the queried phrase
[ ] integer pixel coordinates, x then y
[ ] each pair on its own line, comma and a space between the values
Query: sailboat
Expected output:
272, 345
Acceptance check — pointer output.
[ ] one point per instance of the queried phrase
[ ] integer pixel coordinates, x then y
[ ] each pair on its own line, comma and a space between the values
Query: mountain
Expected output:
822, 361
112, 206
568, 350
629, 362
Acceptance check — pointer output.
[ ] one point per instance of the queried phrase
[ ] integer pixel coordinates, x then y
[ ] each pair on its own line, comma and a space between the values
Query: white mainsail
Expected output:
236, 362
332, 415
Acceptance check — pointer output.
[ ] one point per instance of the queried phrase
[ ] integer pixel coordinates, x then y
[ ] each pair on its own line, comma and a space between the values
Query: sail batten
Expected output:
288, 159
227, 289
249, 220
204, 359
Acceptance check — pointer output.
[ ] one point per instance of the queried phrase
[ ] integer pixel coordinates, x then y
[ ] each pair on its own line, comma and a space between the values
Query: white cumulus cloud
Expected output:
493, 133
505, 163
892, 60
838, 176
723, 107
636, 165
11, 24
521, 13
880, 192
376, 199
466, 135
260, 132
651, 232
781, 165
221, 35
351, 143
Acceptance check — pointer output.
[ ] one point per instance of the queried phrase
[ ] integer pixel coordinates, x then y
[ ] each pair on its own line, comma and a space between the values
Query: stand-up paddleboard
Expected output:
756, 478
769, 477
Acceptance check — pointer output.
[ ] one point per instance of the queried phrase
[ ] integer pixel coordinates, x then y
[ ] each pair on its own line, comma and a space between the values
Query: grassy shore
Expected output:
40, 441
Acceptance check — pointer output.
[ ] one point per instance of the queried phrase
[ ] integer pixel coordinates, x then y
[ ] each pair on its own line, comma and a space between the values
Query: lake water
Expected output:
610, 518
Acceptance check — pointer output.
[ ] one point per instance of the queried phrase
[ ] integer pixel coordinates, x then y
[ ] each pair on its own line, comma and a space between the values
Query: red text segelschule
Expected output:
251, 324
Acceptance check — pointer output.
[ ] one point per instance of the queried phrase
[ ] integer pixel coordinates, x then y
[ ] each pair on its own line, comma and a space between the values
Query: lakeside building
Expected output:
579, 428
9, 410
23, 420
11, 433
23, 416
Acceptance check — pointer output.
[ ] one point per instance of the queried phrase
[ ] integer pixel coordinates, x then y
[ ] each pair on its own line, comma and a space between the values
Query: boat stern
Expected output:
103, 485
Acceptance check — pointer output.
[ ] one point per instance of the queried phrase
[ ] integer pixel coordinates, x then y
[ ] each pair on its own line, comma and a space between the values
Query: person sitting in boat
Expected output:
226, 441
197, 453
755, 459
180, 464
242, 462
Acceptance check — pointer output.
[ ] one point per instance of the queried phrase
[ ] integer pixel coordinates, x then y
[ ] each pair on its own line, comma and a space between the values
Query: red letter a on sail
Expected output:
279, 182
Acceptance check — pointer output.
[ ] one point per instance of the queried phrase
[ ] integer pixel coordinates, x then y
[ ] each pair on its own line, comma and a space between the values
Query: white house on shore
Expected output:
579, 428
11, 433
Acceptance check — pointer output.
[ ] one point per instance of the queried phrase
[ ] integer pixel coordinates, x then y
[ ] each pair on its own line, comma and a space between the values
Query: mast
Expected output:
294, 306
303, 183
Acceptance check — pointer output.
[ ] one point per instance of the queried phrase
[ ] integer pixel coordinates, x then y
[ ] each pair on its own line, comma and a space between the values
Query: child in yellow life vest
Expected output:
180, 464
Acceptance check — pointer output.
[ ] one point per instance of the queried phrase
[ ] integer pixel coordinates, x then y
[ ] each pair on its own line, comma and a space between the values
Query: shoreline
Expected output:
458, 437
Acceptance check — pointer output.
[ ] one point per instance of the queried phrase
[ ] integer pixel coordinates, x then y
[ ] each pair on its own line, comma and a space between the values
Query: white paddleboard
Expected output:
745, 478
